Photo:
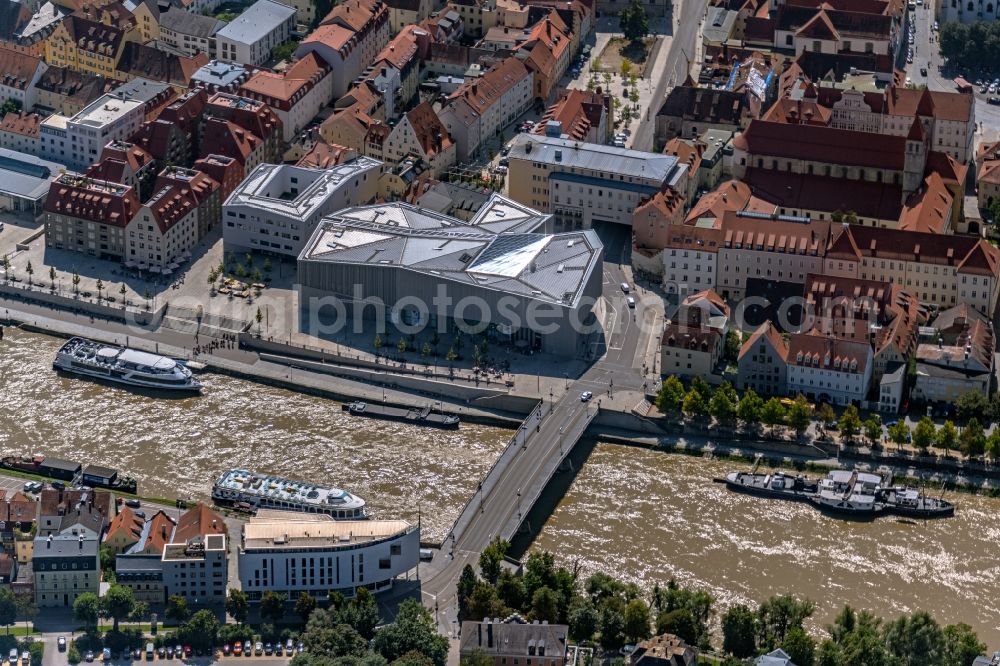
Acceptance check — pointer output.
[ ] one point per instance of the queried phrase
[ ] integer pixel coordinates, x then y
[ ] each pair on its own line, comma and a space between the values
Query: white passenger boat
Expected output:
124, 366
251, 491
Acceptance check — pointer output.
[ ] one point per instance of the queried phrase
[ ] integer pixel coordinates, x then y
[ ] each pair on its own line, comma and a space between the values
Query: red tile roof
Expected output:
968, 253
199, 520
577, 111
822, 144
88, 199
283, 90
19, 122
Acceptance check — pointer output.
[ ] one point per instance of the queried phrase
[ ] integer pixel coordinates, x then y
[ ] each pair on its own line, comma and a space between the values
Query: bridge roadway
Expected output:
505, 496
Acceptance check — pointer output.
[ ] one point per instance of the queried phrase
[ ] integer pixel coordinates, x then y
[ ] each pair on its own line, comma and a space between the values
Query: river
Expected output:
646, 516
640, 514
174, 447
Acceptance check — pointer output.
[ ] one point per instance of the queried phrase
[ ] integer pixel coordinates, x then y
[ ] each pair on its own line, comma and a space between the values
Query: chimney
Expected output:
81, 542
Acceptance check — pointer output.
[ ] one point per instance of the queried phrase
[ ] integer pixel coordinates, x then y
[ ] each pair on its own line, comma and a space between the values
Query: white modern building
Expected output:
25, 181
277, 208
197, 570
77, 142
532, 289
313, 553
251, 36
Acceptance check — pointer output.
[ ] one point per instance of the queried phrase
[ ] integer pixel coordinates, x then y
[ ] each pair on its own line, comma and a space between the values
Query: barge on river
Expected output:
122, 365
417, 416
843, 493
248, 490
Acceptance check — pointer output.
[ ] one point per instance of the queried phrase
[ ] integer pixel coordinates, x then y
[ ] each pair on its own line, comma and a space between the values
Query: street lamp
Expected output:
518, 503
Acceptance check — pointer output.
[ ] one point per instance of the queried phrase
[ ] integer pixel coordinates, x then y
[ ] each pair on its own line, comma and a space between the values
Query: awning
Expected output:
130, 264
143, 265
154, 269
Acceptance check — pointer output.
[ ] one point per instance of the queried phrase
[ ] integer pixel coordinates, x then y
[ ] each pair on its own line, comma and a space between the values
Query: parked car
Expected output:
268, 649
89, 656
225, 650
105, 655
61, 643
302, 647
137, 654
170, 653
26, 657
625, 287
289, 647
178, 651
134, 503
149, 651
187, 651
258, 648
630, 301
140, 514
59, 485
923, 71
237, 649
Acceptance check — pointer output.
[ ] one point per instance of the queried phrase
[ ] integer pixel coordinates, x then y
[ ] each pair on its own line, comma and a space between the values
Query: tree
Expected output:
259, 317
778, 615
118, 604
511, 590
8, 608
679, 622
238, 605
917, 640
946, 436
873, 429
30, 271
305, 605
284, 51
722, 406
626, 67
799, 646
177, 609
961, 645
100, 288
272, 605
739, 629
5, 262
267, 265
545, 605
491, 559
86, 610
466, 584
122, 290
899, 433
993, 445
972, 405
850, 423
671, 396
26, 608
484, 602
146, 294
773, 413
582, 619
750, 407
76, 283
201, 631
451, 356
825, 414
401, 345
732, 348
636, 618
923, 434
377, 342
695, 405
10, 106
612, 627
425, 351
413, 629
633, 21
973, 439
362, 613
799, 415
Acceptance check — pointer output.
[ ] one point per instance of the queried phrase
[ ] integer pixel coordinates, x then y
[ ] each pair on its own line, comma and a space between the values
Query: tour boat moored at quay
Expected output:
122, 365
843, 493
242, 488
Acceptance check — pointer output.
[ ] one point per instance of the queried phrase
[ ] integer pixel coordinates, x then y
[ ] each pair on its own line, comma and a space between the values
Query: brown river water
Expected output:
641, 514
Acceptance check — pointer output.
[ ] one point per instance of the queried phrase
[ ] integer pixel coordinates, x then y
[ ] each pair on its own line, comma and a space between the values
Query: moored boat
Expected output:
777, 485
249, 491
912, 503
122, 365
